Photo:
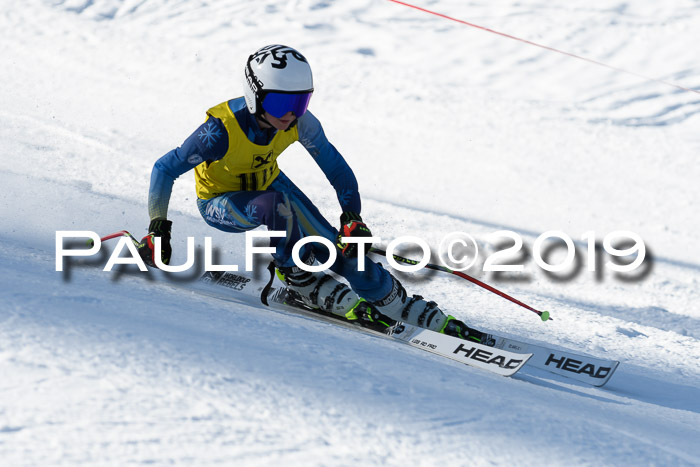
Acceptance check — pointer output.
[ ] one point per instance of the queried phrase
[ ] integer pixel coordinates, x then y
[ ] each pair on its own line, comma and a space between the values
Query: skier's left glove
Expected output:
351, 225
157, 228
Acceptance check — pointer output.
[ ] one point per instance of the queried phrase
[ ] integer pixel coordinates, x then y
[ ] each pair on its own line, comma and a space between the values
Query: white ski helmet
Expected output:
278, 80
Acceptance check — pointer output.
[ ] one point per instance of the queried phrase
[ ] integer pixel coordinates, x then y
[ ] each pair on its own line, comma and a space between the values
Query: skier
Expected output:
240, 187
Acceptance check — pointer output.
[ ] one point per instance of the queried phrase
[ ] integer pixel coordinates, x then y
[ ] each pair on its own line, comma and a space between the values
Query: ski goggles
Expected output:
278, 104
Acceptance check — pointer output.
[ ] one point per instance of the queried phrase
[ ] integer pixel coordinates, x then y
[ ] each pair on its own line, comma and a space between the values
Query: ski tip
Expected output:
545, 316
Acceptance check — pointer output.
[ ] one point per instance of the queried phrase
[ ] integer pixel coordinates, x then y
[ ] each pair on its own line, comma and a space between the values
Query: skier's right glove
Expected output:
157, 228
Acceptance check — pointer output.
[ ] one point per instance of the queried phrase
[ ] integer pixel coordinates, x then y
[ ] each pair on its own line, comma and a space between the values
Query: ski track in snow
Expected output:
448, 129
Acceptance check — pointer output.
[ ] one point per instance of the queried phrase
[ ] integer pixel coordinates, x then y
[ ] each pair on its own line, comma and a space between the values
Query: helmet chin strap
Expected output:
261, 118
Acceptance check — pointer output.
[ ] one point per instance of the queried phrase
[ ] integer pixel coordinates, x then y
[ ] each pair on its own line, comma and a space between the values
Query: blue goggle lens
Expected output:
278, 104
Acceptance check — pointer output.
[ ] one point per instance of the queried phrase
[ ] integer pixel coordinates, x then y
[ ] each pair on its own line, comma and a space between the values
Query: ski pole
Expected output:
544, 315
121, 233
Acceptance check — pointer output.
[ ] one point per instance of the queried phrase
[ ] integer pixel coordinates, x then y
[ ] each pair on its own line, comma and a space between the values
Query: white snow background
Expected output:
448, 128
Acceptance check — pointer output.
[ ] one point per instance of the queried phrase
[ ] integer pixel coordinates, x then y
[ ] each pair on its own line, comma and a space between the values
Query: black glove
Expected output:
157, 228
351, 225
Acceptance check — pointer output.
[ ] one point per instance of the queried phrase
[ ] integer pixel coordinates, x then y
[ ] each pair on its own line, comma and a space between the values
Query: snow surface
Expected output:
448, 128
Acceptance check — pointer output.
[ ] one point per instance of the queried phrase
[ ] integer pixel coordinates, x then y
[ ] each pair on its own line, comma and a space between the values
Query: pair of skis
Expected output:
505, 358
499, 361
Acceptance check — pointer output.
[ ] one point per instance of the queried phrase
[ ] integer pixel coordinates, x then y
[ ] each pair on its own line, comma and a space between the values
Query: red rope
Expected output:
648, 78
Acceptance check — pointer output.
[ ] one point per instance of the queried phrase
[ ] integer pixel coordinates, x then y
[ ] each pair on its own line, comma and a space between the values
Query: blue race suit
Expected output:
261, 194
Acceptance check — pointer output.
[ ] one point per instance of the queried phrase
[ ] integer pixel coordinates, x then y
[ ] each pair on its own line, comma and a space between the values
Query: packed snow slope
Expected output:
449, 129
